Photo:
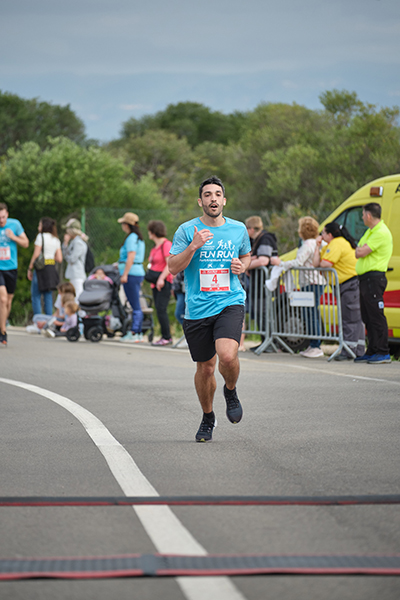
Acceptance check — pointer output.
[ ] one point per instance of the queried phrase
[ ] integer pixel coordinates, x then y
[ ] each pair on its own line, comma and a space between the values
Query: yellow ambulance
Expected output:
386, 192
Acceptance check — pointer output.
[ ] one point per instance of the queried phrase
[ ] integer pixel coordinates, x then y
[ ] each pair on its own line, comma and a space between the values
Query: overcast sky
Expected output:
114, 59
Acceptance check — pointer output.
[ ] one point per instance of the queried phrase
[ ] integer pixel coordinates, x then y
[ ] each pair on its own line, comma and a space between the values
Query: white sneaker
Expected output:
32, 329
127, 338
312, 353
49, 333
138, 337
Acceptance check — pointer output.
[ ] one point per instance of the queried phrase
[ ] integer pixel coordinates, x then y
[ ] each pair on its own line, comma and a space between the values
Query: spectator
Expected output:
45, 281
162, 288
373, 253
12, 235
53, 328
130, 265
309, 280
339, 254
42, 322
178, 289
74, 249
263, 246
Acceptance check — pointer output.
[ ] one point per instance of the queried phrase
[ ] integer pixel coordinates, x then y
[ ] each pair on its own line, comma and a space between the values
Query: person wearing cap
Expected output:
74, 251
130, 266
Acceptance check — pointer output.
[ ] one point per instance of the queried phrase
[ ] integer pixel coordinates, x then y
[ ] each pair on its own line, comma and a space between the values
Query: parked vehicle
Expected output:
386, 192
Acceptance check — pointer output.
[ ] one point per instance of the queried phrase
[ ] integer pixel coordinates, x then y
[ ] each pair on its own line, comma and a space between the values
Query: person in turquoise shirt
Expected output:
12, 235
373, 253
213, 250
130, 266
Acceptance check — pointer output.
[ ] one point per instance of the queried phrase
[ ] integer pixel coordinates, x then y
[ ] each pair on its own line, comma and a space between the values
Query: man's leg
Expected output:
204, 381
3, 308
227, 351
205, 384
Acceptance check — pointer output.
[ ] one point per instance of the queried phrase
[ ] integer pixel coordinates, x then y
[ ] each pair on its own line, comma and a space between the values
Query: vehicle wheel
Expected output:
150, 336
73, 334
95, 334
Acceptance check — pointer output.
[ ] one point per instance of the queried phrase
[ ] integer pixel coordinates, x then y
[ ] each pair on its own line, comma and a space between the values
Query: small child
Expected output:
100, 274
71, 318
42, 322
53, 328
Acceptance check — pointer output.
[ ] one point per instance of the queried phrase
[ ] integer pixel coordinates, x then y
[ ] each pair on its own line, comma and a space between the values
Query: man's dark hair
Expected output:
214, 180
374, 209
3, 206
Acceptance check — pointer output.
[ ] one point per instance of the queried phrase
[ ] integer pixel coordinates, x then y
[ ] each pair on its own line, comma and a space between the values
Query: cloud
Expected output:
134, 107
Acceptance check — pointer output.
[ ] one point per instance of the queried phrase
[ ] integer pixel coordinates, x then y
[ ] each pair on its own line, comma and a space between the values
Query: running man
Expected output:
213, 250
11, 234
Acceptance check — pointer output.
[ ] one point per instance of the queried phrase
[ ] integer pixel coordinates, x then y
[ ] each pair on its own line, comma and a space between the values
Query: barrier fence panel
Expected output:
298, 306
305, 305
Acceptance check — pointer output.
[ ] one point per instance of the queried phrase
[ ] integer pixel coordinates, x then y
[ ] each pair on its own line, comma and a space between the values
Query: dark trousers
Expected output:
161, 300
372, 286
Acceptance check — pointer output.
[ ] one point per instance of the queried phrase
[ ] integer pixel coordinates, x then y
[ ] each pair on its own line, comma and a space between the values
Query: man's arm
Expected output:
179, 262
20, 239
362, 251
241, 264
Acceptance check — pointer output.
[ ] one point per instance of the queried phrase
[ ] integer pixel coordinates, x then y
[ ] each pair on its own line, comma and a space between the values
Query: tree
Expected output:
65, 177
191, 120
24, 120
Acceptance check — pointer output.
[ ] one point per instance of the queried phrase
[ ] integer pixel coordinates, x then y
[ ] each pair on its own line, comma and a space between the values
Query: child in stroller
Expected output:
101, 294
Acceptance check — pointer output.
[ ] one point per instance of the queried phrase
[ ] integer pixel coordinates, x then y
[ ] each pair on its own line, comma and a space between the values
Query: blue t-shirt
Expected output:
132, 244
9, 248
209, 283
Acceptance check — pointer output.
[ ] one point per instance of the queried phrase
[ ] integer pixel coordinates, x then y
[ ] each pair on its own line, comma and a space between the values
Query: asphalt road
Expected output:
108, 419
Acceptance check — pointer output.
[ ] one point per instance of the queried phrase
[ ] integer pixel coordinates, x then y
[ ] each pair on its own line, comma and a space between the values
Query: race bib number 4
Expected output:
5, 253
214, 280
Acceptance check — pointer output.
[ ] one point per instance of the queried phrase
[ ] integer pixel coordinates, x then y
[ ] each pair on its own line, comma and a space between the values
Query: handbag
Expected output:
152, 276
40, 262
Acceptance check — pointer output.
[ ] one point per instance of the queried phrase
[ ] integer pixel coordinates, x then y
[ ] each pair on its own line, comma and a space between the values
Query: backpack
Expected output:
89, 260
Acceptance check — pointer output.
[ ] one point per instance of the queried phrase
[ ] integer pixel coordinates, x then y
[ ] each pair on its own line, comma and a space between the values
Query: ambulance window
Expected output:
352, 220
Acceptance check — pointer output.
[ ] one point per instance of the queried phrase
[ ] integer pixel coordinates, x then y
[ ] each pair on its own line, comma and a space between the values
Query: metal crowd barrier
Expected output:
294, 313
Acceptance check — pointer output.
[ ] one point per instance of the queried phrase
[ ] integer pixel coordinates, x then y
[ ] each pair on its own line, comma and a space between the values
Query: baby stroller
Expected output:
100, 296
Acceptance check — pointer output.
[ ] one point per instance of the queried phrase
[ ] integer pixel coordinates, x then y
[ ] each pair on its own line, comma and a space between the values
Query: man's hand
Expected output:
237, 267
201, 237
124, 279
11, 235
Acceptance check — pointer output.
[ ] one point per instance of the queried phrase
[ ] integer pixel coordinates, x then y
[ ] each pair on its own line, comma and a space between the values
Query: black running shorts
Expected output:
9, 279
202, 333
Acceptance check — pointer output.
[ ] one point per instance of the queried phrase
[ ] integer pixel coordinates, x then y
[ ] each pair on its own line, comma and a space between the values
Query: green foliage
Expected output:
33, 121
192, 121
65, 177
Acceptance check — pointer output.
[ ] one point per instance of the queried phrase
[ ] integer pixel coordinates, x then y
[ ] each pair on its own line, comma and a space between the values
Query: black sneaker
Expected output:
234, 410
205, 431
3, 340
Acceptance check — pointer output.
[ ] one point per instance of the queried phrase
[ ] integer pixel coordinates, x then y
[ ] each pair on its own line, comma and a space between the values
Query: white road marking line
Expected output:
165, 530
325, 371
